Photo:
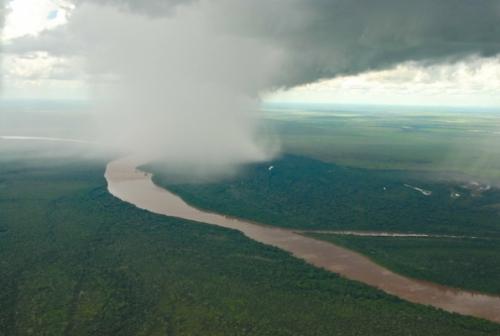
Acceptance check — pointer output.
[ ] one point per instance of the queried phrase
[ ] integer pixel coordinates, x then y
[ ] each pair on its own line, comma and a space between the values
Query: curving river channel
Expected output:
129, 184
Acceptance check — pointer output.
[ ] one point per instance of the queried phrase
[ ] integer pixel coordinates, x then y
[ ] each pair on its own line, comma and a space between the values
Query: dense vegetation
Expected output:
303, 193
76, 261
465, 263
307, 194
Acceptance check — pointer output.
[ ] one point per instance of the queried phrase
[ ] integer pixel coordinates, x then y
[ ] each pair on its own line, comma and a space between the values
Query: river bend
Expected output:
131, 185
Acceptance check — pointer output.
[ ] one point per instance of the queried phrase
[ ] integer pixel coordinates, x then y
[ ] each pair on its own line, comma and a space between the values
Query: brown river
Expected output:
129, 184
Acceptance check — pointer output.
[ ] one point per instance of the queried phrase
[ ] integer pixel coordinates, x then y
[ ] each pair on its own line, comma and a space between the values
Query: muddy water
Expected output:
135, 187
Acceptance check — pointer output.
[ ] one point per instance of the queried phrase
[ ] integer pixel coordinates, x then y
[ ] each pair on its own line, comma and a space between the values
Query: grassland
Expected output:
432, 140
76, 261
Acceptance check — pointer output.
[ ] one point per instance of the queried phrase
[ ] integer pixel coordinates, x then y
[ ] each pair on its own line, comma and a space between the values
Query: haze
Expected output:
185, 79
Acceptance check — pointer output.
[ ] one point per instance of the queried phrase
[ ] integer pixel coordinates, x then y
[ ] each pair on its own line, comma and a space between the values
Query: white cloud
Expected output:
28, 17
473, 82
40, 75
39, 66
30, 31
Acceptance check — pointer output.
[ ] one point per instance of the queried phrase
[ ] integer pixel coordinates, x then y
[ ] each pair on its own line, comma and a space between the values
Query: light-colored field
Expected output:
439, 141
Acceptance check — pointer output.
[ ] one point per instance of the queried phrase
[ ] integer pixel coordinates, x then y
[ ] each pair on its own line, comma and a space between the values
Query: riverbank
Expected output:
78, 261
133, 186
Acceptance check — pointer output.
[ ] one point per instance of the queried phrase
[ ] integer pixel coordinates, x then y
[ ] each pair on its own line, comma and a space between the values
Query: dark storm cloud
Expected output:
322, 39
325, 38
183, 78
351, 36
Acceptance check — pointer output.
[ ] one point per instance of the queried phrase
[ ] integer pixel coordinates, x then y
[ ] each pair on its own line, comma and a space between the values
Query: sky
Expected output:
39, 74
473, 82
186, 79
